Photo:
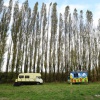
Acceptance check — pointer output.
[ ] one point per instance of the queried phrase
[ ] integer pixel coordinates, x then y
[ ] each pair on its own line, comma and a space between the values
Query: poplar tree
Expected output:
50, 52
26, 20
60, 68
66, 30
47, 53
88, 34
34, 16
14, 35
44, 23
54, 21
75, 33
32, 40
3, 35
82, 52
99, 47
42, 29
9, 13
37, 44
59, 46
70, 44
20, 54
28, 32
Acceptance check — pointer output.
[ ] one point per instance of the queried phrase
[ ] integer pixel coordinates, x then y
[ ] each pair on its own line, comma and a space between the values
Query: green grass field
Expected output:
50, 91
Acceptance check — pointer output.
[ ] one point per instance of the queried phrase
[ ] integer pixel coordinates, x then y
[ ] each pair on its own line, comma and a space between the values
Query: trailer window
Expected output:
26, 76
75, 74
21, 76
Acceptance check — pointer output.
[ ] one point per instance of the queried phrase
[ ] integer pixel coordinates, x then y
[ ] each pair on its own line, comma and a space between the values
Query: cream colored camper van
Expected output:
28, 78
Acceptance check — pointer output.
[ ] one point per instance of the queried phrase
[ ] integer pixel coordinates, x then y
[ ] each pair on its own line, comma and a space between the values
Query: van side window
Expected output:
27, 76
21, 76
75, 74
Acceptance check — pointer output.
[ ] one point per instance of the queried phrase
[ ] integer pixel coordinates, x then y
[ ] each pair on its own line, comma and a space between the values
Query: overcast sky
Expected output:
92, 5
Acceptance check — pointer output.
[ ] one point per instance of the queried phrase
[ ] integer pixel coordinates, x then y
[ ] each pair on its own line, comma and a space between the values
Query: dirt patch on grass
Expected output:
4, 98
89, 98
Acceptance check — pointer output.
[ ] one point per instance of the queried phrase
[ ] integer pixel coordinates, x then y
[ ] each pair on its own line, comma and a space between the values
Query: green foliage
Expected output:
7, 77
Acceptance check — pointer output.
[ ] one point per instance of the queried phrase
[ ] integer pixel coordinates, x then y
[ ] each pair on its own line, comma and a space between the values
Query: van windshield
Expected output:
38, 77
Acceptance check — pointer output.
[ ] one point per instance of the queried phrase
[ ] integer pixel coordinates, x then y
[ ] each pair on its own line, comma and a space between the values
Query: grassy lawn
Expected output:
50, 91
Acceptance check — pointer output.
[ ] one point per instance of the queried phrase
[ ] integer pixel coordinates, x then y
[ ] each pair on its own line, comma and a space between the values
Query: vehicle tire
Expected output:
17, 84
21, 83
38, 83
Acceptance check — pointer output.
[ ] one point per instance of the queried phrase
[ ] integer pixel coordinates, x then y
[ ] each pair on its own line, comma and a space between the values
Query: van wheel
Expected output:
21, 83
38, 83
16, 84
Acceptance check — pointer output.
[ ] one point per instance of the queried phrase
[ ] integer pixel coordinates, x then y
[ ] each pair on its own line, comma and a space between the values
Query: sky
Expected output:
92, 5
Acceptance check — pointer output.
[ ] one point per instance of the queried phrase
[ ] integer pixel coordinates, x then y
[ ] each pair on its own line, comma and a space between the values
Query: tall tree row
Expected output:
42, 40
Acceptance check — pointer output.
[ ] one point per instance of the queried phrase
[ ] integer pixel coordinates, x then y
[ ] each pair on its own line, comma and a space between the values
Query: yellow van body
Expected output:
28, 78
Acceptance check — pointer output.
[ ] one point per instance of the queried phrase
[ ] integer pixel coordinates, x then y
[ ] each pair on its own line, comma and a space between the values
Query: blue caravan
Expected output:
78, 77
